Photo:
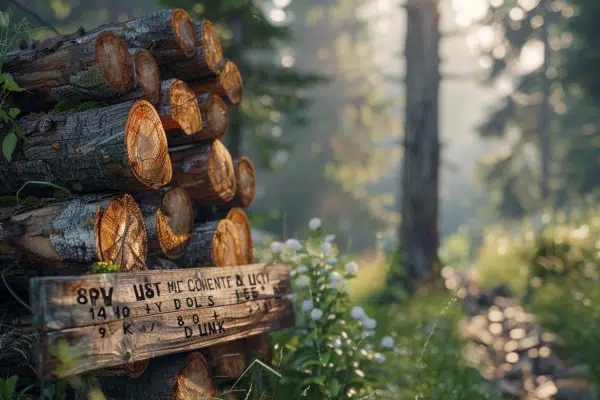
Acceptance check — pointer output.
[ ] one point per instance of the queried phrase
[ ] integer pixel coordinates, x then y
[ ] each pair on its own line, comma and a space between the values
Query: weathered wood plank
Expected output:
112, 319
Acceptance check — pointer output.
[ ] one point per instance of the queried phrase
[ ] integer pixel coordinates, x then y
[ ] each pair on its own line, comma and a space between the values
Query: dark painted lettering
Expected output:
139, 295
177, 304
188, 332
158, 305
211, 302
239, 281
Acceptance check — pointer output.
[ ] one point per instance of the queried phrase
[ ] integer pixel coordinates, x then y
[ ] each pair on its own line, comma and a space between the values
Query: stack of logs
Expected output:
129, 118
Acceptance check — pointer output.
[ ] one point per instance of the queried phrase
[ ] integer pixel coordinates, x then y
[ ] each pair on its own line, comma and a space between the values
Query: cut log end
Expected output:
120, 234
184, 108
147, 146
185, 31
226, 245
194, 381
114, 60
245, 176
214, 110
246, 246
211, 45
146, 72
175, 223
231, 82
221, 173
231, 358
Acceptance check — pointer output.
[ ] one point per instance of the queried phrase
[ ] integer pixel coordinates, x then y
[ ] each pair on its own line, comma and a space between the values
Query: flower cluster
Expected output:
332, 351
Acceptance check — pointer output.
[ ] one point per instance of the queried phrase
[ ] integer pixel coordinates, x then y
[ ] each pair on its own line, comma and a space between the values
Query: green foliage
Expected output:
9, 34
103, 268
8, 389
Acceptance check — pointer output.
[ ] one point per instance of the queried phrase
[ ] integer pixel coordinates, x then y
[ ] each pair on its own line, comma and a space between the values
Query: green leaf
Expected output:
13, 112
4, 116
10, 84
334, 387
9, 144
10, 385
20, 133
306, 364
325, 357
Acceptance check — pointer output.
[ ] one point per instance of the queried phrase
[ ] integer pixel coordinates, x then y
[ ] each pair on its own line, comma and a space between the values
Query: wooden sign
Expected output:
96, 321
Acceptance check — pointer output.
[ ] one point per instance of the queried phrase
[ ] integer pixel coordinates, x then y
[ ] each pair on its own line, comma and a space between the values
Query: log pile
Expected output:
128, 120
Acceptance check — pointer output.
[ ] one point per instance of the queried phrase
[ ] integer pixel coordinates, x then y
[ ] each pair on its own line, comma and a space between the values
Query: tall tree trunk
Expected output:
544, 113
420, 181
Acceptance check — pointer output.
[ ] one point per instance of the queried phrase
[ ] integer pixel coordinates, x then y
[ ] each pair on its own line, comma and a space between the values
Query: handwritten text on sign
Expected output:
111, 319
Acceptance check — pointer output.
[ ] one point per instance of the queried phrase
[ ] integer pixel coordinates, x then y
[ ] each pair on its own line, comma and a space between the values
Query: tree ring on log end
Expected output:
231, 81
239, 218
245, 177
175, 223
185, 31
114, 60
147, 75
120, 233
217, 119
194, 381
147, 147
184, 108
221, 173
211, 45
226, 245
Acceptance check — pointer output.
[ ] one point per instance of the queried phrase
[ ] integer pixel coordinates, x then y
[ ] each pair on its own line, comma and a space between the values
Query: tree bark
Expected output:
227, 83
213, 244
84, 230
545, 110
169, 222
204, 63
230, 359
215, 120
420, 184
180, 376
121, 147
97, 62
205, 171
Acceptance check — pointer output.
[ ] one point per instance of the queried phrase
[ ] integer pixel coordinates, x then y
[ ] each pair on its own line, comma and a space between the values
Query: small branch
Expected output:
35, 16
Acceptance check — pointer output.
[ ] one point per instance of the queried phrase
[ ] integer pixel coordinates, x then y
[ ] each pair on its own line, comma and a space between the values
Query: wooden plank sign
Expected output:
96, 321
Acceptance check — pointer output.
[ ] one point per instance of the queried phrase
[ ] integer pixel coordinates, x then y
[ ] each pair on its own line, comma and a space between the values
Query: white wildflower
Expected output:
277, 247
369, 346
366, 334
293, 244
380, 358
325, 248
316, 314
337, 343
370, 323
335, 276
329, 238
331, 260
307, 305
357, 313
351, 267
314, 224
387, 342
302, 269
302, 281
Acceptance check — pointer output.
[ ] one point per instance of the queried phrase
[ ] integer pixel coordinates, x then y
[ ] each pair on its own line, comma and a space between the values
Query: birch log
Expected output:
205, 171
84, 230
121, 147
227, 83
169, 222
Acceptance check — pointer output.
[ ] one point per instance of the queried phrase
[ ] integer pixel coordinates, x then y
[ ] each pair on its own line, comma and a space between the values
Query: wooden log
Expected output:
205, 171
131, 370
97, 62
181, 376
230, 359
121, 147
169, 222
205, 61
213, 244
178, 109
147, 76
245, 179
215, 120
259, 346
240, 219
84, 230
227, 83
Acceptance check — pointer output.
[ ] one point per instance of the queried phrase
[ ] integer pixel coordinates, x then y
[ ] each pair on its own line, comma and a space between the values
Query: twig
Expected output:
10, 289
36, 16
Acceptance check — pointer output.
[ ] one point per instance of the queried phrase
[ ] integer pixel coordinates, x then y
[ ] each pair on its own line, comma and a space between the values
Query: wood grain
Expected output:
172, 311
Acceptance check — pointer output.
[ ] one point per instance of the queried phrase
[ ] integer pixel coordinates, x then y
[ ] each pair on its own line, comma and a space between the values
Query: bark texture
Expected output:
169, 222
181, 376
420, 173
205, 171
121, 147
84, 230
227, 83
213, 244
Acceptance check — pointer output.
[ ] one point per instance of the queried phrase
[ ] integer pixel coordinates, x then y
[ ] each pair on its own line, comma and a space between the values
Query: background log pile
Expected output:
127, 120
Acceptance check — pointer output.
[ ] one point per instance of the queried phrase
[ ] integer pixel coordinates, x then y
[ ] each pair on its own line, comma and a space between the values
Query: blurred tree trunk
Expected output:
544, 113
418, 231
